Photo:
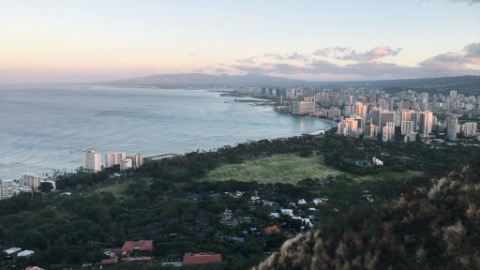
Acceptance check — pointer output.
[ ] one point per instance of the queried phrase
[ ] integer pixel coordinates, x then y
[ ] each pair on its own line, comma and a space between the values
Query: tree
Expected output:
34, 240
46, 187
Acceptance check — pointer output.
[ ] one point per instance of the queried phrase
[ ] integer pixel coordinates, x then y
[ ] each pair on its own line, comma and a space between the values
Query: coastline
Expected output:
172, 121
322, 131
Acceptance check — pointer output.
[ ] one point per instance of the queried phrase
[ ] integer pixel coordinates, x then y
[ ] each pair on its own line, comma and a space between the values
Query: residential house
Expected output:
272, 229
141, 246
201, 258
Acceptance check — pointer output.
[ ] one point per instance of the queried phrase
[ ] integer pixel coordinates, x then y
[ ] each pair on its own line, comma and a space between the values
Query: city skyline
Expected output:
87, 41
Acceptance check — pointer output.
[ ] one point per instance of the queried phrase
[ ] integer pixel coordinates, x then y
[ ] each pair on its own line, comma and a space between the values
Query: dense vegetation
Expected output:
165, 201
436, 228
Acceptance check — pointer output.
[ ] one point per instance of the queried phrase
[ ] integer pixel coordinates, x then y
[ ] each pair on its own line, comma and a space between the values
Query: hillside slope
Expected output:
437, 228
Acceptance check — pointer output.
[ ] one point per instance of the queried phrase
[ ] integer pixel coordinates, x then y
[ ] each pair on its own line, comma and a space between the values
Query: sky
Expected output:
57, 41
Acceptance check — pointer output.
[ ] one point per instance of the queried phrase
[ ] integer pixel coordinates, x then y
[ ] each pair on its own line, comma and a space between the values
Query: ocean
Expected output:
46, 127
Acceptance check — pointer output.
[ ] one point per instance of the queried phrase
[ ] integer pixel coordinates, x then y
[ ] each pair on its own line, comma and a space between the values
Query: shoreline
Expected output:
254, 125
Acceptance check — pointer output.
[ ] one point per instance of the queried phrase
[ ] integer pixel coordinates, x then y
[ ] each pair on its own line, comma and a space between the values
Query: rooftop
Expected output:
142, 245
12, 250
201, 258
271, 229
26, 253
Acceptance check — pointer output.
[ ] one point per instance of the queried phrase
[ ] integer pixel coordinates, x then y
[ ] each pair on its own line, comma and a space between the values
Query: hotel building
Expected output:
92, 161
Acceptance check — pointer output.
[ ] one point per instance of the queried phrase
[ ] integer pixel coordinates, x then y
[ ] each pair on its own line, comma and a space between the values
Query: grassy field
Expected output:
289, 168
275, 169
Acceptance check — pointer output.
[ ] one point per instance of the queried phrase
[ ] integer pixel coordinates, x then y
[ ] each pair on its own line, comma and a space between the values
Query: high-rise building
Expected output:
333, 112
385, 117
375, 116
347, 126
126, 163
348, 100
407, 127
361, 110
137, 160
452, 122
469, 129
388, 131
371, 131
425, 123
323, 98
424, 97
347, 111
30, 180
449, 105
92, 161
294, 94
424, 106
112, 159
405, 104
303, 107
408, 115
6, 189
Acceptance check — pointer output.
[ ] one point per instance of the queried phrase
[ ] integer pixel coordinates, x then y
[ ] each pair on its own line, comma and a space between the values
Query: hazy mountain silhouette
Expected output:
255, 79
199, 79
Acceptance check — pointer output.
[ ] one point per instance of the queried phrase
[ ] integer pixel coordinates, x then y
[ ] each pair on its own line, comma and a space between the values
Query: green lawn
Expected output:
276, 169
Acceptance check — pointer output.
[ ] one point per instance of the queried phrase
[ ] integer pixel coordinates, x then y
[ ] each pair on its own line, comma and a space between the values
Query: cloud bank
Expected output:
345, 62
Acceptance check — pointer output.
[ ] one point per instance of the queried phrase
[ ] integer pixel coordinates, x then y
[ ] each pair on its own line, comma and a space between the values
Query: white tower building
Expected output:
112, 159
425, 125
92, 160
388, 131
6, 189
469, 129
126, 164
137, 160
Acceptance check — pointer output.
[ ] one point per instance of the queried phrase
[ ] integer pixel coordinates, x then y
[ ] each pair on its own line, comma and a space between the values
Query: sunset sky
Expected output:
95, 40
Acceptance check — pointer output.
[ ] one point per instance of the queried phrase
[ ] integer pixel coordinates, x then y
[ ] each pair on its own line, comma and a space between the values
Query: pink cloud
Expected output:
344, 53
367, 64
455, 60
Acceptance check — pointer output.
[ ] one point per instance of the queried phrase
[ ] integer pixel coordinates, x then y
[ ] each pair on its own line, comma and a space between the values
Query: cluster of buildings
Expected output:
92, 160
15, 253
29, 183
141, 252
410, 123
373, 113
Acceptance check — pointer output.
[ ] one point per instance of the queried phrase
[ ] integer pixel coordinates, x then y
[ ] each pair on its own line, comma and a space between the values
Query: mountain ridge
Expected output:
201, 79
260, 80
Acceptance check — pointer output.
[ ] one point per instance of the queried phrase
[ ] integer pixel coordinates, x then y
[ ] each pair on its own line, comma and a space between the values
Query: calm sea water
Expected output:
43, 128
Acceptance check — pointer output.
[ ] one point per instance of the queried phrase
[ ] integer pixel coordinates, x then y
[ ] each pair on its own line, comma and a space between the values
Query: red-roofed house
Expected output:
142, 245
201, 258
272, 229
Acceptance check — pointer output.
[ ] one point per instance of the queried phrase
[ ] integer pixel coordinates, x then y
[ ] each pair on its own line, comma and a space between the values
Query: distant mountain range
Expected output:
254, 79
205, 80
